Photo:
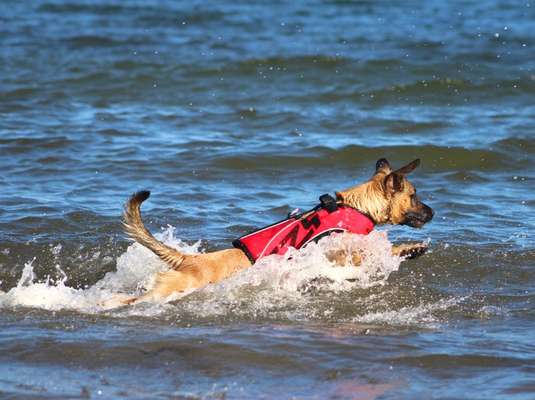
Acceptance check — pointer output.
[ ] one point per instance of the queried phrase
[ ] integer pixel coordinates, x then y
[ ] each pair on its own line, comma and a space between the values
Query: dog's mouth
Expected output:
419, 217
416, 220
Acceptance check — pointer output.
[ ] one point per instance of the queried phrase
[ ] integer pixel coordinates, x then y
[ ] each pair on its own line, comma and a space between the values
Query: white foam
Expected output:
412, 315
289, 273
50, 294
135, 269
276, 286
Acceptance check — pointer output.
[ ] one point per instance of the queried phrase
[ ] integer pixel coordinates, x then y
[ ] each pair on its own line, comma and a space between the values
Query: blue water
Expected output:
233, 114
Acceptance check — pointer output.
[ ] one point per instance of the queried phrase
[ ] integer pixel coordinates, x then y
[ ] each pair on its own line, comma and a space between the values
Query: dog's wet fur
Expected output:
387, 198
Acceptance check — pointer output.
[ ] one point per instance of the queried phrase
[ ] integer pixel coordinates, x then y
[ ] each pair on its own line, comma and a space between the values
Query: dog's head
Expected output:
388, 197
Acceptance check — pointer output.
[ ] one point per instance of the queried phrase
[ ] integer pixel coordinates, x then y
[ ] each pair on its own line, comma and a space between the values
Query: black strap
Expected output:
328, 202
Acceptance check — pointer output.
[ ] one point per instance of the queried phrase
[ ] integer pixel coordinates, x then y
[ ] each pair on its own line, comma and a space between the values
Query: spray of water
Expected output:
276, 286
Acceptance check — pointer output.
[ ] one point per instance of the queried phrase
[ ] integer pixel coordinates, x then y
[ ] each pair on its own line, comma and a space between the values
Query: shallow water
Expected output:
234, 114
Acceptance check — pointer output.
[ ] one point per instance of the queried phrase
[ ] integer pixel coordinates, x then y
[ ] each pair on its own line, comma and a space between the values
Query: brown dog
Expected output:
387, 198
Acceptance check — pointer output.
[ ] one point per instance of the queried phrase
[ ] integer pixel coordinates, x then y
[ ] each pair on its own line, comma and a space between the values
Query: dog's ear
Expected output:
393, 183
407, 169
382, 165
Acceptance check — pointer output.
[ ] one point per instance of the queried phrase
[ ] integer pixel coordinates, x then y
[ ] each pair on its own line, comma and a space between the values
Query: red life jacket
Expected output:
297, 231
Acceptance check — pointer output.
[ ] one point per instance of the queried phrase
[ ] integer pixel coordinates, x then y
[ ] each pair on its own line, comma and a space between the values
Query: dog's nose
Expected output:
430, 213
427, 212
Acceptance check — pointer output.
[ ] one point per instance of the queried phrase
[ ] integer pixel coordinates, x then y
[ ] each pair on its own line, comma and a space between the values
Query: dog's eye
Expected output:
414, 200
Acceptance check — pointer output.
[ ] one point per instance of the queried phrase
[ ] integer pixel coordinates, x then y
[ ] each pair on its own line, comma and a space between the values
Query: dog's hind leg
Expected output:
117, 300
167, 283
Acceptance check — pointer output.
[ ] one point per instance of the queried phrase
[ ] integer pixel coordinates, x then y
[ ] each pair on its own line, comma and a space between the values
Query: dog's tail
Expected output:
134, 227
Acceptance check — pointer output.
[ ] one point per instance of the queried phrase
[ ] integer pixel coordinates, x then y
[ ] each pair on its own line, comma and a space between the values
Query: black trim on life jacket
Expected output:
237, 243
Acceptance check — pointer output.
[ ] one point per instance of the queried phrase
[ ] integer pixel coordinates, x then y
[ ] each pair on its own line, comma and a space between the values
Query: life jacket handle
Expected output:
328, 203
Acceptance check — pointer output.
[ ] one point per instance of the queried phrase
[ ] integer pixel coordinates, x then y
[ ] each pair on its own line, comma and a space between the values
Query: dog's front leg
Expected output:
406, 250
409, 250
341, 258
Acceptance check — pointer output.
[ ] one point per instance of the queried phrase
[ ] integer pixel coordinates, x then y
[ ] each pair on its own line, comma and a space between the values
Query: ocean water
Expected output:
233, 114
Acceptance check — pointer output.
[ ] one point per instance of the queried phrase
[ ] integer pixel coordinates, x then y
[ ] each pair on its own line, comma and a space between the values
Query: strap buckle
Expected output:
328, 202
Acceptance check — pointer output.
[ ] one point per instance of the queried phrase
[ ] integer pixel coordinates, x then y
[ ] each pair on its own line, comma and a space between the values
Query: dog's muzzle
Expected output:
419, 218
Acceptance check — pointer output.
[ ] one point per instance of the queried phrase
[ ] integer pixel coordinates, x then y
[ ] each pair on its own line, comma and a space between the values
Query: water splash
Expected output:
50, 294
135, 270
301, 285
297, 268
285, 286
412, 315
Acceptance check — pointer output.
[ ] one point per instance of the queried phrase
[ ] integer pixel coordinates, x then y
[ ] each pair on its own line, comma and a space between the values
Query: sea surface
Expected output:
234, 113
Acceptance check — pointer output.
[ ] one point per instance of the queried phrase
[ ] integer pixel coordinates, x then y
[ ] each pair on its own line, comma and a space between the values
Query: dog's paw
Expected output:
410, 250
341, 258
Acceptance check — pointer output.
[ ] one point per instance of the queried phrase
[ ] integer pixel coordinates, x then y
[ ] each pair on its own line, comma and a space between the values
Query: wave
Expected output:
443, 91
520, 146
313, 60
437, 158
22, 144
144, 13
93, 41
444, 361
20, 93
80, 8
